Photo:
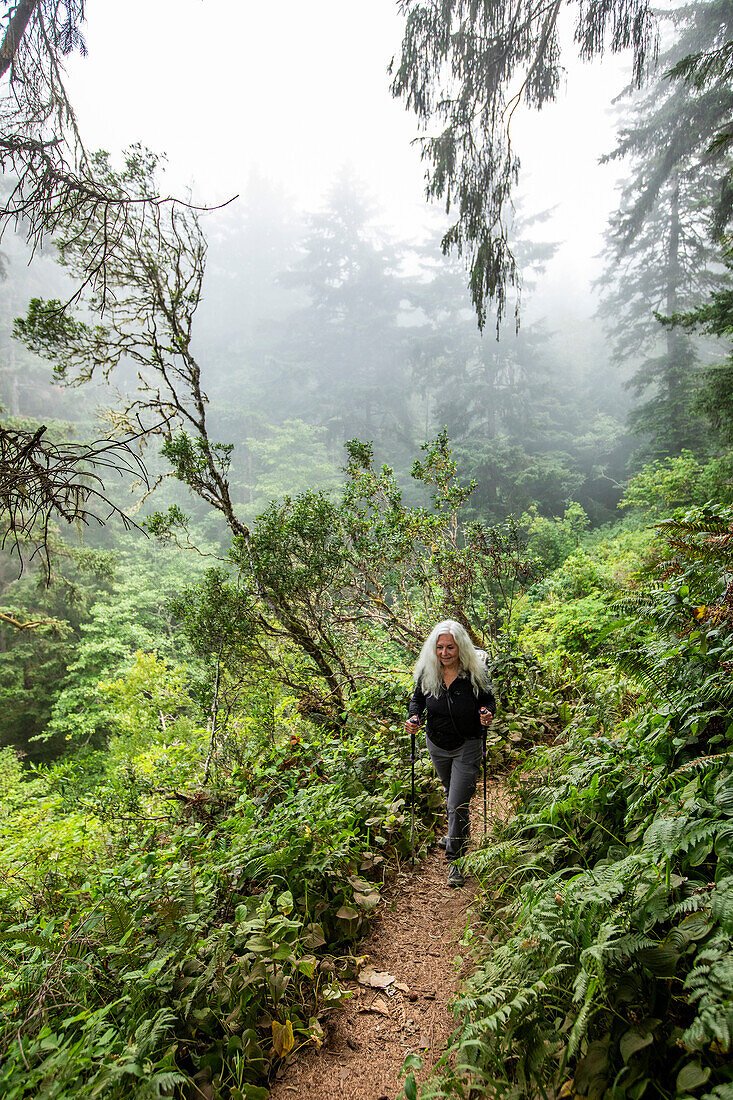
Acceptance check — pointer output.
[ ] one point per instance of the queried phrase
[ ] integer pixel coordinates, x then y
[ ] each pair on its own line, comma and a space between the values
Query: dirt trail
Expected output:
415, 937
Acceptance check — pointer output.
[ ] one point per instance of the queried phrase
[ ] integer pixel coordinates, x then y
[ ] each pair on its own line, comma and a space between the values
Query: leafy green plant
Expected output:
199, 934
609, 945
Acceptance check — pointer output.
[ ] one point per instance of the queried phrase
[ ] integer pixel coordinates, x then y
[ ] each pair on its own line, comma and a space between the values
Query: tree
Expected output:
707, 71
344, 363
715, 395
150, 298
42, 481
660, 255
55, 183
465, 67
477, 386
41, 149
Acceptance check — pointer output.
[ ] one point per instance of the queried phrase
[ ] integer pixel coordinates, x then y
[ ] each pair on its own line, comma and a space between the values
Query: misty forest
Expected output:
252, 450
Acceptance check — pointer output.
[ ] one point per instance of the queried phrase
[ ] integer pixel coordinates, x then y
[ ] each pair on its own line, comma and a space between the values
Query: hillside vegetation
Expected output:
183, 889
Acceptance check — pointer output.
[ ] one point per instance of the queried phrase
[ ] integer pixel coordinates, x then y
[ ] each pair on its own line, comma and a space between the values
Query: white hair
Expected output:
428, 672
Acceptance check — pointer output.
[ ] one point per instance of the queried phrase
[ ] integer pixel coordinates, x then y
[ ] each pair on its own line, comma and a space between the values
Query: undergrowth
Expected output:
605, 952
160, 940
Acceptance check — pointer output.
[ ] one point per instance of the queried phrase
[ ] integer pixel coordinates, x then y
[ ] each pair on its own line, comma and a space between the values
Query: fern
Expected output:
691, 904
151, 1033
117, 919
580, 1026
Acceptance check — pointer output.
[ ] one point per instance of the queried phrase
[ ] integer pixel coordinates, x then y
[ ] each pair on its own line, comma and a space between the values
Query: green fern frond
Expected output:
151, 1034
117, 919
642, 669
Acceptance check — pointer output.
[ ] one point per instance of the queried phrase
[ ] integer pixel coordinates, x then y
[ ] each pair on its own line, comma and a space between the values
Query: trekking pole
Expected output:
483, 754
414, 722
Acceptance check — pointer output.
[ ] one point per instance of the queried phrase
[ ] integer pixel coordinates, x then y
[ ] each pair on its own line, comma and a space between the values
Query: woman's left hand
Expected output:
485, 716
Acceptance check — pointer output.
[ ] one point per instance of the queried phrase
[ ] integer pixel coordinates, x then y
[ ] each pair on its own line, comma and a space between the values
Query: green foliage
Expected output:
35, 659
120, 619
609, 970
47, 329
333, 578
679, 481
554, 539
144, 947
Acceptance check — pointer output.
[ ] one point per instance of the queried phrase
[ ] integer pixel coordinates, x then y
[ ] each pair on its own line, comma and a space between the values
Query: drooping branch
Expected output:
464, 68
43, 482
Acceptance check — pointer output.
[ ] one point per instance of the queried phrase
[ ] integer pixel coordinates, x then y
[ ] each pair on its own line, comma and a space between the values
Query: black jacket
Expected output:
453, 713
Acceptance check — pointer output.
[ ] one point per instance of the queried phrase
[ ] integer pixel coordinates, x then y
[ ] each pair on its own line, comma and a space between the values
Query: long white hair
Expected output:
428, 672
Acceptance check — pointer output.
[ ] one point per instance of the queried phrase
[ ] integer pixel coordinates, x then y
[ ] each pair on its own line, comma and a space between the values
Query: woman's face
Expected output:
447, 650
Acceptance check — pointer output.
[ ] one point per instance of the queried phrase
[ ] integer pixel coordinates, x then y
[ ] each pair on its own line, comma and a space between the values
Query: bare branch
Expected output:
41, 482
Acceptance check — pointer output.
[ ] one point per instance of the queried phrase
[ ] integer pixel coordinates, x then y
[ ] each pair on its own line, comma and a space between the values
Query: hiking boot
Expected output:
455, 875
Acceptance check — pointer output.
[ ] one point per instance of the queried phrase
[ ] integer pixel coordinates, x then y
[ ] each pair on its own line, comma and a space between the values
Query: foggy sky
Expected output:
297, 91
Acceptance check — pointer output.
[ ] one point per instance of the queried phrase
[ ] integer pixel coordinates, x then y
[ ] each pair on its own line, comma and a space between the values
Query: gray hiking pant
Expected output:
458, 771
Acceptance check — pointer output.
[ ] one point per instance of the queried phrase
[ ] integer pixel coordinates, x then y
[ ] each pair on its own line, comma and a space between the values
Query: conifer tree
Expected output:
343, 361
660, 255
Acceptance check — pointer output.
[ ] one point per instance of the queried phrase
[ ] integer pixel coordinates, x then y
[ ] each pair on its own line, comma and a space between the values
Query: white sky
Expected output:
297, 90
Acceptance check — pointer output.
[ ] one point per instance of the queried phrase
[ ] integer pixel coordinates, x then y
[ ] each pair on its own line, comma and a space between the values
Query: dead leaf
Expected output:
402, 987
282, 1037
377, 979
367, 901
360, 884
378, 1005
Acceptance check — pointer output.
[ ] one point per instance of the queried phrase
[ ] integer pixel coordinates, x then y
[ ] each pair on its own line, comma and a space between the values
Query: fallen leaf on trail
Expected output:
378, 979
379, 1004
360, 884
401, 986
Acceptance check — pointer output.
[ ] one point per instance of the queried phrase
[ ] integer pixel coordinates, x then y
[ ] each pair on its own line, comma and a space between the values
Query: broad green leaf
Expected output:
285, 902
634, 1040
307, 965
260, 944
695, 926
691, 1077
592, 1066
661, 960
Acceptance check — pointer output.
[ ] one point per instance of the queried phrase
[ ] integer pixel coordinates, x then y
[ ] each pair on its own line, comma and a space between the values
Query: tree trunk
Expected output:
16, 29
674, 382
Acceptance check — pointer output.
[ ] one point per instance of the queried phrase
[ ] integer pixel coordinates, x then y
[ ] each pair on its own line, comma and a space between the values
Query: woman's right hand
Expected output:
412, 725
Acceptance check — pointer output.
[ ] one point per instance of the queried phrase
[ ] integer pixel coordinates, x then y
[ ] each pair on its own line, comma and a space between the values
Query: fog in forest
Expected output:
328, 310
289, 453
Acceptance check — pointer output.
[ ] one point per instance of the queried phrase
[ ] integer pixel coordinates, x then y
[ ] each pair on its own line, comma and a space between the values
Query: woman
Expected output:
452, 685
